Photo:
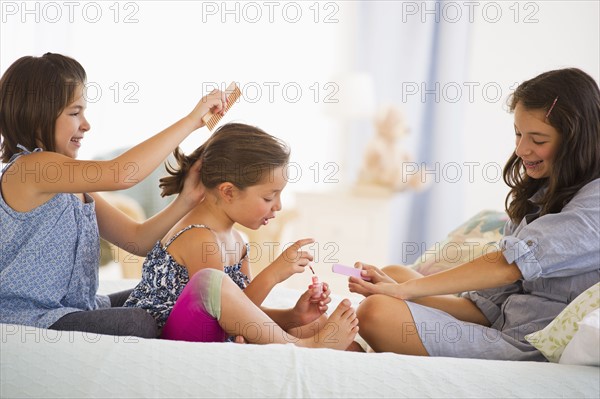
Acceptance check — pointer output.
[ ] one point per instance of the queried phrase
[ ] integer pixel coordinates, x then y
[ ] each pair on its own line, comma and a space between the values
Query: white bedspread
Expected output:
43, 363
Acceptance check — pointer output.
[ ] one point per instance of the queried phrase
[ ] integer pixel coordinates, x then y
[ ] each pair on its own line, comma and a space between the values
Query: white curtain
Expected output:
418, 64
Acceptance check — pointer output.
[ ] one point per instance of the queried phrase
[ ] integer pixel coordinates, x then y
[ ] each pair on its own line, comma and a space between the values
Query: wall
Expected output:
149, 62
543, 35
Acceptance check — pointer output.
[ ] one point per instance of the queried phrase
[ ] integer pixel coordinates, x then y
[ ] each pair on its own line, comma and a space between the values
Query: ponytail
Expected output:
174, 184
237, 153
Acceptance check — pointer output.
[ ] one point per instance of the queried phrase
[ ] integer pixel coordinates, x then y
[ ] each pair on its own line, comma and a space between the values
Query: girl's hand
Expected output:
367, 288
308, 309
215, 101
291, 261
380, 282
374, 273
193, 190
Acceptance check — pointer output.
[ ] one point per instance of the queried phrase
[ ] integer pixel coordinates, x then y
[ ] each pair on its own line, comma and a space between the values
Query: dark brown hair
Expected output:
576, 117
33, 93
240, 154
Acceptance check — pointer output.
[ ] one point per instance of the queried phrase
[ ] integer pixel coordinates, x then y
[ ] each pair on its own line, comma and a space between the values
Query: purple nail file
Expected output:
347, 271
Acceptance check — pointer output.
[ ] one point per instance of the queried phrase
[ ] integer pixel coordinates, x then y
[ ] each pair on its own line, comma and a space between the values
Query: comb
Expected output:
233, 94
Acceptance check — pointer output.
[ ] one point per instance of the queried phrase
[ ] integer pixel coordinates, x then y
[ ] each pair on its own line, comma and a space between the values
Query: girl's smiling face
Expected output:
70, 126
536, 141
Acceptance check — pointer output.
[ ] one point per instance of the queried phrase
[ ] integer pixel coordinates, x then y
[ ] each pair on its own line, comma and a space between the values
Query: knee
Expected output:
205, 281
400, 273
207, 288
374, 310
204, 275
397, 269
391, 269
140, 324
370, 308
209, 280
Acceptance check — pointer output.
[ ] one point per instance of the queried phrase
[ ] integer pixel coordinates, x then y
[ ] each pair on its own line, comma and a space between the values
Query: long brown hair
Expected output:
33, 93
237, 153
576, 117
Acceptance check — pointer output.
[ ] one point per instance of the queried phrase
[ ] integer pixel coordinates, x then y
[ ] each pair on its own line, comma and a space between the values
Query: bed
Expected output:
41, 363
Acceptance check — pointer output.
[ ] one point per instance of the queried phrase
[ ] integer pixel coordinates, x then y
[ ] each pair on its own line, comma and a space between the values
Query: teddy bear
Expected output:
385, 165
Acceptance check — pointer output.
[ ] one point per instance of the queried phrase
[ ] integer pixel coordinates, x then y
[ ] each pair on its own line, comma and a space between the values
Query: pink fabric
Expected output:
189, 320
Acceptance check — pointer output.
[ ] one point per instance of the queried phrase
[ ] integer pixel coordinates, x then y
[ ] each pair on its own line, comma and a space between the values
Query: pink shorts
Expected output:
195, 316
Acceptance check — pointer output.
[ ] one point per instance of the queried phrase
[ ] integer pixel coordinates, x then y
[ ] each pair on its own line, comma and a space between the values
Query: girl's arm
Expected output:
291, 261
260, 287
138, 238
307, 311
47, 173
488, 271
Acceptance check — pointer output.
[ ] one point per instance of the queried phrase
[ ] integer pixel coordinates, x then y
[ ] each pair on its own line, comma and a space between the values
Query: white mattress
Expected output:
42, 363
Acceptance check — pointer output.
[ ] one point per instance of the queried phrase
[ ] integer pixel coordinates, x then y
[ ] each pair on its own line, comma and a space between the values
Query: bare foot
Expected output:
308, 330
240, 340
339, 332
354, 347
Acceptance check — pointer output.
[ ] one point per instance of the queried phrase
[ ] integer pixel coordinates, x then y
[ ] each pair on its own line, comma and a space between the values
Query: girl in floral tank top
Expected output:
184, 285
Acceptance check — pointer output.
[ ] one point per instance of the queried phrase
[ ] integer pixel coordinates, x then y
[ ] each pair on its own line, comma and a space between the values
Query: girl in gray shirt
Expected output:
549, 255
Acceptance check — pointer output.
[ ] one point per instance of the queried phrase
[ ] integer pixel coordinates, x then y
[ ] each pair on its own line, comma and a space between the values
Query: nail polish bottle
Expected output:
317, 287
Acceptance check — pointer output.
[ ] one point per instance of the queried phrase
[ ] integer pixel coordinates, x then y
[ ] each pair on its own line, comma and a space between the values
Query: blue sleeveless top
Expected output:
49, 259
163, 280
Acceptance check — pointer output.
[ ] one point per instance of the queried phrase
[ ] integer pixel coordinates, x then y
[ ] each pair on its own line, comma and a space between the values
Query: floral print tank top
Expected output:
163, 280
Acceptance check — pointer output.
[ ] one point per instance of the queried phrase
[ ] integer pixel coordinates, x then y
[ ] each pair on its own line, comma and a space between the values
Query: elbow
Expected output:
508, 272
141, 251
139, 246
513, 273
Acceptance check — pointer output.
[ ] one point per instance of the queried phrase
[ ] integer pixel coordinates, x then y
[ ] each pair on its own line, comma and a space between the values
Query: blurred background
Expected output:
335, 80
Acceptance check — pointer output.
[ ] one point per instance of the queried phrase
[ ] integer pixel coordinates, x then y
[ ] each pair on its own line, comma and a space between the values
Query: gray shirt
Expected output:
559, 257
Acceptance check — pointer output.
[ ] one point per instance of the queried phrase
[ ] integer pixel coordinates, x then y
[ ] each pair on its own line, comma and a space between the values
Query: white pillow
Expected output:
477, 236
584, 348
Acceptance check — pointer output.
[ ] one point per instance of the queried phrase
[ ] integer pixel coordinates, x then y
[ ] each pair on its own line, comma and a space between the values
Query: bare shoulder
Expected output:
195, 248
36, 164
19, 181
27, 166
192, 236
